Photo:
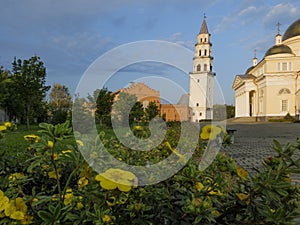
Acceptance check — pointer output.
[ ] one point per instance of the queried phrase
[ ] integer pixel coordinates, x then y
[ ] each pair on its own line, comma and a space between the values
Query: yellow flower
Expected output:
35, 200
117, 178
212, 192
138, 128
2, 127
241, 172
54, 198
16, 176
106, 219
55, 156
50, 144
27, 219
68, 198
32, 138
80, 142
3, 201
82, 182
66, 151
16, 209
199, 186
218, 192
243, 197
52, 174
216, 213
7, 124
79, 205
86, 172
210, 132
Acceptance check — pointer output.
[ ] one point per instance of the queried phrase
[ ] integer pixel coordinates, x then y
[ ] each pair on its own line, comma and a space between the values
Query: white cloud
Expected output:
283, 13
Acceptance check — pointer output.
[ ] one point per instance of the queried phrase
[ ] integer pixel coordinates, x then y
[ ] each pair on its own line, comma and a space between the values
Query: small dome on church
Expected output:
249, 69
292, 31
277, 49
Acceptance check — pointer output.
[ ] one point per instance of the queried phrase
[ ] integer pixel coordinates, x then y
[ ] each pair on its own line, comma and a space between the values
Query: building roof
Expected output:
246, 76
292, 31
277, 49
204, 29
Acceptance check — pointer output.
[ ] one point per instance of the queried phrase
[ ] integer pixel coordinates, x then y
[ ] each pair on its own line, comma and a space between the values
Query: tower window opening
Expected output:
197, 104
204, 39
198, 67
198, 80
205, 52
200, 53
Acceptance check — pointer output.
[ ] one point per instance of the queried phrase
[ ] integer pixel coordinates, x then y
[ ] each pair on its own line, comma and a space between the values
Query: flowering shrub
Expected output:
57, 186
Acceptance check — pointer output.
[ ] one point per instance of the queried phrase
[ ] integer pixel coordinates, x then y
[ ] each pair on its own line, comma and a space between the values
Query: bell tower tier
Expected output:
202, 77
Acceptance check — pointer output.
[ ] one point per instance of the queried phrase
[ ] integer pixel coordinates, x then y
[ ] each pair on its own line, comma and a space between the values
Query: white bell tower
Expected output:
202, 78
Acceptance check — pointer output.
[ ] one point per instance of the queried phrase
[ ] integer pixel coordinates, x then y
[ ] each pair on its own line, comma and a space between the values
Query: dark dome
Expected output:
249, 69
292, 31
277, 49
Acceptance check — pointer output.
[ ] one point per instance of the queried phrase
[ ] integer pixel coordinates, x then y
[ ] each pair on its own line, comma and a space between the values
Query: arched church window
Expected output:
205, 52
284, 91
199, 52
198, 67
205, 67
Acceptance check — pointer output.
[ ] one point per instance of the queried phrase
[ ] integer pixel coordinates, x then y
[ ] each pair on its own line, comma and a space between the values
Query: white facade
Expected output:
271, 87
202, 78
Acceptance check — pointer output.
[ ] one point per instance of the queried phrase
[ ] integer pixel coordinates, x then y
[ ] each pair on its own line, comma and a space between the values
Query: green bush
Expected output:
56, 185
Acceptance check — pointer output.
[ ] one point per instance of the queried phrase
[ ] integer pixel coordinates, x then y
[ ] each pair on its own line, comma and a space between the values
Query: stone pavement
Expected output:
253, 142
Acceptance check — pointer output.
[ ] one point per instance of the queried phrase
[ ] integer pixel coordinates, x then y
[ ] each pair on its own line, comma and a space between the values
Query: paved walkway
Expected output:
253, 142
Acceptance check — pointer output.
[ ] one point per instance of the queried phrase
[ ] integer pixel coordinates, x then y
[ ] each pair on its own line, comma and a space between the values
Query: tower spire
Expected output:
278, 38
204, 29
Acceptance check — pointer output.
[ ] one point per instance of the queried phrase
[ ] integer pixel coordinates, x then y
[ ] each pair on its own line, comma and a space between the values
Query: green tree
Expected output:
60, 98
136, 113
60, 103
104, 100
151, 111
127, 108
29, 78
5, 81
230, 111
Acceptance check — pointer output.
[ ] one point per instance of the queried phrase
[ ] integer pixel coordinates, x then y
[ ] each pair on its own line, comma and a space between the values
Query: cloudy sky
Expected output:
69, 35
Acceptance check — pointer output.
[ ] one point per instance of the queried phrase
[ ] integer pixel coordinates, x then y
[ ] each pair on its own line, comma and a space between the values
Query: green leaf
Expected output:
45, 216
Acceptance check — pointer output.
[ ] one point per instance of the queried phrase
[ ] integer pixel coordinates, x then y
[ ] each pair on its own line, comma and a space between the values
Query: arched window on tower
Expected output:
205, 67
199, 52
198, 67
210, 67
205, 52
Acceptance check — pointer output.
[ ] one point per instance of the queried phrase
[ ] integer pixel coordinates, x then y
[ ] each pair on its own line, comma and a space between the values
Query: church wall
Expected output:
276, 100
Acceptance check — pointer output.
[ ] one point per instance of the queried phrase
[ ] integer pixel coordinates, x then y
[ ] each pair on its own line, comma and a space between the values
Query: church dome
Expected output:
249, 69
292, 31
277, 49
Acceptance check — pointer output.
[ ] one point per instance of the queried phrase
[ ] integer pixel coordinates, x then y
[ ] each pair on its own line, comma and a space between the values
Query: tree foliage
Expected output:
104, 100
152, 111
60, 98
29, 78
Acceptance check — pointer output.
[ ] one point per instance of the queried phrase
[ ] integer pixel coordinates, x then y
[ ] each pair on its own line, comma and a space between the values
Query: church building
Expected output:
271, 87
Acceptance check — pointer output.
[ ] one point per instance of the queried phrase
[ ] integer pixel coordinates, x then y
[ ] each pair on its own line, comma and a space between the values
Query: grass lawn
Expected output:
14, 144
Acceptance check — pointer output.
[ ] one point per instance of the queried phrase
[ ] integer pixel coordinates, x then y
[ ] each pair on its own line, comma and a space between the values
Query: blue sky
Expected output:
69, 35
